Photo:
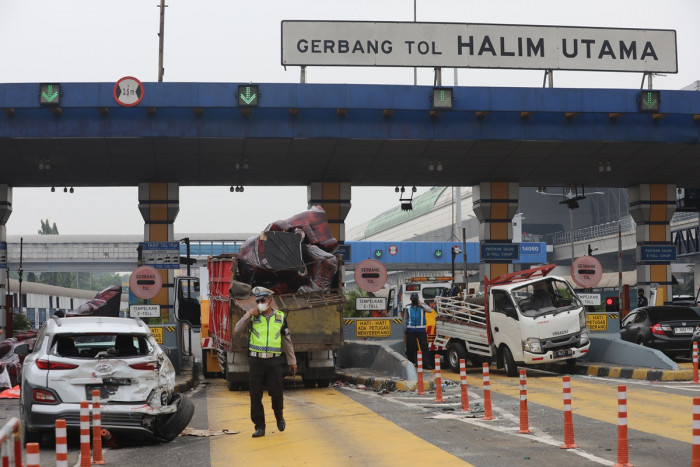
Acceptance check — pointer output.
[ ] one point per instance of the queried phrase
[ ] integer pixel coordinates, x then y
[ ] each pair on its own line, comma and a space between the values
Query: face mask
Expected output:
414, 302
263, 307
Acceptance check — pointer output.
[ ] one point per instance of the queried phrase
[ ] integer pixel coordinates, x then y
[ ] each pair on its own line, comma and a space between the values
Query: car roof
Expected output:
663, 312
90, 324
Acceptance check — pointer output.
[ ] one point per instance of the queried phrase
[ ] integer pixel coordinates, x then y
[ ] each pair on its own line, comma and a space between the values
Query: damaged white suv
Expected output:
119, 356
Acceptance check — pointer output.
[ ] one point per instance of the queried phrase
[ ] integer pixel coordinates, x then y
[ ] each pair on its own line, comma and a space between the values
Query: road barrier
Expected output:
85, 460
61, 443
463, 377
96, 428
695, 362
568, 417
695, 460
11, 442
622, 443
438, 380
421, 389
33, 457
488, 414
524, 424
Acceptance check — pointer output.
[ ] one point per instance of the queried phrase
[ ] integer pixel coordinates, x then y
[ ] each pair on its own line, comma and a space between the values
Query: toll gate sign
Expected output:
370, 275
586, 271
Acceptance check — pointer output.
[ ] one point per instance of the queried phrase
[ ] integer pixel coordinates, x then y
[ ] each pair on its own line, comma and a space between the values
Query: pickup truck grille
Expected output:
561, 342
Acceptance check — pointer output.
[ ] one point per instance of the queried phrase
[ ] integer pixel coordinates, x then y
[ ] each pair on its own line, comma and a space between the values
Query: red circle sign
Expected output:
586, 271
370, 275
128, 91
145, 282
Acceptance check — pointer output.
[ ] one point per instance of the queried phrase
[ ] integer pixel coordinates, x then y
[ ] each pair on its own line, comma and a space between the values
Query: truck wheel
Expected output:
509, 363
323, 382
455, 352
230, 383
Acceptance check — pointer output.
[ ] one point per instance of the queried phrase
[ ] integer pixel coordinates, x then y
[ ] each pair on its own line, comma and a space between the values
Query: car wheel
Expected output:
172, 425
640, 341
509, 363
455, 352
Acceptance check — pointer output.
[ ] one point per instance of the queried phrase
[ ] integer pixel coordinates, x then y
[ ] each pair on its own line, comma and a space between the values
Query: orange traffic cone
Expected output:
568, 417
524, 425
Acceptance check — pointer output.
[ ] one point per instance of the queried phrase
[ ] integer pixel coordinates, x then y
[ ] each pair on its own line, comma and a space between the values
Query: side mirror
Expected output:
22, 350
187, 307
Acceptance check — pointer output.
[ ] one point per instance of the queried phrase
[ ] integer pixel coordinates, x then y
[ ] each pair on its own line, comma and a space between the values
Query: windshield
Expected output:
546, 296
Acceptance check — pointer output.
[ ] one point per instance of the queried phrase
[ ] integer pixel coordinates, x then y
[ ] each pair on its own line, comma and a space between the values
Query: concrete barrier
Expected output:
377, 357
611, 349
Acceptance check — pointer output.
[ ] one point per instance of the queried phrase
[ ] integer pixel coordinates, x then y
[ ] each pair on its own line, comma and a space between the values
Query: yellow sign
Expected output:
597, 321
373, 328
157, 334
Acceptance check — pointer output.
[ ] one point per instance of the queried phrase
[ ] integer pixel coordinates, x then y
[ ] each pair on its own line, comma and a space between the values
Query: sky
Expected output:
224, 41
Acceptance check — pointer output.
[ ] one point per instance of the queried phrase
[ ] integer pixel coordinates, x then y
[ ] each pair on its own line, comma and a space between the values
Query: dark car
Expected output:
667, 328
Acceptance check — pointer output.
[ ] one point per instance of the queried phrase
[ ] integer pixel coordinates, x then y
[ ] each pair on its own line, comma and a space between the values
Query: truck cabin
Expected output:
545, 296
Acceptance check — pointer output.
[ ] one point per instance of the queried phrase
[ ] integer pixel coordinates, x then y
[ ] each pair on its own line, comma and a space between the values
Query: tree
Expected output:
20, 322
349, 310
47, 228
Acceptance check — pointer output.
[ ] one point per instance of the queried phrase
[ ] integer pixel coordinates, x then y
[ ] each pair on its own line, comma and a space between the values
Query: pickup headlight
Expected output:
583, 340
582, 319
532, 344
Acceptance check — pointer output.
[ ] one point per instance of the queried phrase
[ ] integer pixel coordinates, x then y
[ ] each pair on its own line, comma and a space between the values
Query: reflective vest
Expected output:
415, 318
266, 334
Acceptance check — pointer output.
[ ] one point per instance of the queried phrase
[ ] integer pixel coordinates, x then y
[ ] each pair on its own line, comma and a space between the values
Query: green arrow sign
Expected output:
248, 96
49, 94
649, 101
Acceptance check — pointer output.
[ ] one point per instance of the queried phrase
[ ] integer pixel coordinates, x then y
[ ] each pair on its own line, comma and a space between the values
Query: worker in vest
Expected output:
414, 317
269, 338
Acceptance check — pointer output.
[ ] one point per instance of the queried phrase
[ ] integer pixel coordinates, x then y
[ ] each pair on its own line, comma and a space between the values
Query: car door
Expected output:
627, 327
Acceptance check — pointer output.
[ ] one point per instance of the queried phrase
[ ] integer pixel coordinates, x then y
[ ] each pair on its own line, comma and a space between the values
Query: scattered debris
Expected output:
189, 431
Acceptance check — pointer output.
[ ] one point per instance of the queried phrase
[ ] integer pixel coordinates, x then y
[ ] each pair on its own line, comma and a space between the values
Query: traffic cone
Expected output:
85, 460
524, 425
622, 443
463, 377
438, 380
61, 443
568, 417
421, 389
96, 429
33, 458
695, 461
488, 415
695, 362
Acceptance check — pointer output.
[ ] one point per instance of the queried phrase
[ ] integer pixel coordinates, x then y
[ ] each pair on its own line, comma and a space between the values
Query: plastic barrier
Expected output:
438, 380
11, 442
524, 424
488, 414
61, 443
85, 460
463, 378
419, 385
568, 417
96, 428
33, 457
622, 443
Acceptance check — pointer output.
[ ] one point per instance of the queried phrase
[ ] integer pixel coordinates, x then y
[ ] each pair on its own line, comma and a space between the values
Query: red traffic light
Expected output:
609, 301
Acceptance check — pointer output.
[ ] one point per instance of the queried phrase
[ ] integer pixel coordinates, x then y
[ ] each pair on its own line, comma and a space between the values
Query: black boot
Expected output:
259, 432
281, 424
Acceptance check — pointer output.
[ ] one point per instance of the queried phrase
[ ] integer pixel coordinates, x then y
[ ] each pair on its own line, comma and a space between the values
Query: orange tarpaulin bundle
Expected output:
12, 393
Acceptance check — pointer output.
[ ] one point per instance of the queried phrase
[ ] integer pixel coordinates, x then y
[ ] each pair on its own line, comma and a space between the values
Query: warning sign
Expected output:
157, 334
373, 328
597, 321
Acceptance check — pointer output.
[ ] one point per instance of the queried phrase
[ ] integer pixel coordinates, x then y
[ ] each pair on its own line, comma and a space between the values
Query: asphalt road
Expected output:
346, 425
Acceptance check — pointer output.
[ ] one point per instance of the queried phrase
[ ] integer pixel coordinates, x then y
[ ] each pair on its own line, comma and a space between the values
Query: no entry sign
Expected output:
586, 271
145, 282
370, 275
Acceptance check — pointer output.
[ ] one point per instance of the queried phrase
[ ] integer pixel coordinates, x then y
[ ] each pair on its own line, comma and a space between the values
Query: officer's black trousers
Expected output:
265, 372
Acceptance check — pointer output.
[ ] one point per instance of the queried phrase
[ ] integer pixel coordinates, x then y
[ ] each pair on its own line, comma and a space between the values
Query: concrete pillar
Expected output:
652, 207
495, 204
334, 198
159, 204
5, 211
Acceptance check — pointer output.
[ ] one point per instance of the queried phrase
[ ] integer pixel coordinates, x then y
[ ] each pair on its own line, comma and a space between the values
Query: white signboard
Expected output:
370, 303
144, 311
463, 45
589, 299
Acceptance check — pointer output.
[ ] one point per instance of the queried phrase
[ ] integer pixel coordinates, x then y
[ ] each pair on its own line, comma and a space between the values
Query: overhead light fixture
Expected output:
65, 189
438, 167
53, 189
604, 167
245, 164
414, 189
396, 189
71, 190
406, 206
608, 167
241, 190
541, 189
403, 189
431, 166
238, 165
231, 189
41, 165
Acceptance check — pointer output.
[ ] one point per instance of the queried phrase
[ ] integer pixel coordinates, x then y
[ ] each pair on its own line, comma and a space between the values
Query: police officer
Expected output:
414, 316
269, 337
641, 299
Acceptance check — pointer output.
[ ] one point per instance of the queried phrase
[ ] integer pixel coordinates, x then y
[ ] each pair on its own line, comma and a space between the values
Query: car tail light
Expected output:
659, 329
150, 366
47, 365
43, 396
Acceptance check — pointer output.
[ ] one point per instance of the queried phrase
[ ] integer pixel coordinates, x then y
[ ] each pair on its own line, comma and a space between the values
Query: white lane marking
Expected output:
501, 414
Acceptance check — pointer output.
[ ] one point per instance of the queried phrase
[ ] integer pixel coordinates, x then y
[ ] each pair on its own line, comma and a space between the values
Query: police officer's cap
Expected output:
262, 292
414, 296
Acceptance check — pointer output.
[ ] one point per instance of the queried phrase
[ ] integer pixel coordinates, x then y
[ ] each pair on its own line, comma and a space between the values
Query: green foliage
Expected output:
47, 228
349, 310
20, 322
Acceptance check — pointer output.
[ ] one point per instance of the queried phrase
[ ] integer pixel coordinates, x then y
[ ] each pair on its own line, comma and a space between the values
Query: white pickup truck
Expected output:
524, 317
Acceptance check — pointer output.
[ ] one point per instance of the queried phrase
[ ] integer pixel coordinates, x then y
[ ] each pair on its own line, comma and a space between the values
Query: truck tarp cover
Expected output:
292, 255
105, 303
